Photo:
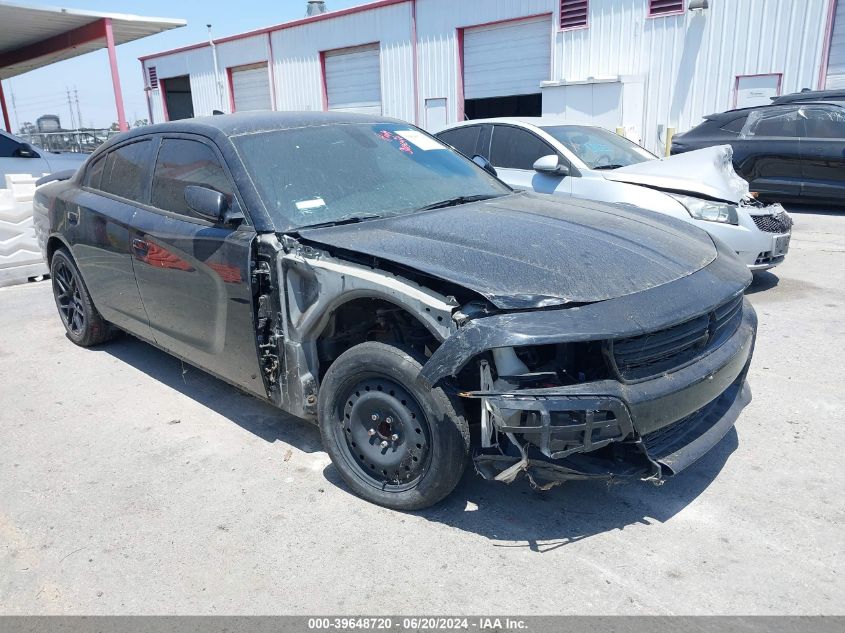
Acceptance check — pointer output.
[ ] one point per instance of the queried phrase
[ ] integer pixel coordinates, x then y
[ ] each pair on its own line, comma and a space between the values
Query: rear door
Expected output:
823, 153
513, 152
767, 152
99, 216
193, 274
463, 138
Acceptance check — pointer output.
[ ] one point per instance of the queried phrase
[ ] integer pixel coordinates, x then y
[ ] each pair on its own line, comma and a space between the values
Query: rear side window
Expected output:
182, 162
95, 173
514, 148
463, 139
126, 169
783, 122
734, 126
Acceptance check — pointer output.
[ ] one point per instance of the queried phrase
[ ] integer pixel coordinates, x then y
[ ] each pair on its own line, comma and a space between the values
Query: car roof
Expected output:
229, 125
741, 111
810, 95
536, 121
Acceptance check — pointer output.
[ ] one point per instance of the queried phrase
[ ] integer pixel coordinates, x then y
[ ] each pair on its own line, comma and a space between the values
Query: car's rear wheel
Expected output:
82, 321
395, 442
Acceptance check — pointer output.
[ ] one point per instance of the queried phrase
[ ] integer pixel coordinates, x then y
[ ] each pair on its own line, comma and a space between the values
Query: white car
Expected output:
555, 157
19, 157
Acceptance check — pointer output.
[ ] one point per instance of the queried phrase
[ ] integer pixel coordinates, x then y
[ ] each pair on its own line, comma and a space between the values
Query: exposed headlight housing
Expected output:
708, 210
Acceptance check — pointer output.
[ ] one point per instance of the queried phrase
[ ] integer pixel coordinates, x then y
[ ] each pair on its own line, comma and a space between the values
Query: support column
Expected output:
5, 110
115, 76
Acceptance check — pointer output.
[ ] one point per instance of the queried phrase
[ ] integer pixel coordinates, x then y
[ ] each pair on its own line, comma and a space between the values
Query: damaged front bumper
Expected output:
651, 429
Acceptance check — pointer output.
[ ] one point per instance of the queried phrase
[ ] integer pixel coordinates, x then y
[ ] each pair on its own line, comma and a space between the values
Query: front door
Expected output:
823, 153
513, 152
12, 162
767, 153
193, 274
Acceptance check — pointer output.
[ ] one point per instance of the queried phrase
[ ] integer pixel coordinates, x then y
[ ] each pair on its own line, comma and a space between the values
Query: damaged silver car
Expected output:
550, 155
356, 272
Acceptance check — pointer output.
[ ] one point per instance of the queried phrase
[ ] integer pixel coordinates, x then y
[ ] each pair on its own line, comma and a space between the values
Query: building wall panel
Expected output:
684, 66
298, 70
438, 22
690, 62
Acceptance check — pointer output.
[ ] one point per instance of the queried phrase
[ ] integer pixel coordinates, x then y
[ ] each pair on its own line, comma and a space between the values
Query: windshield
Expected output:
330, 173
598, 148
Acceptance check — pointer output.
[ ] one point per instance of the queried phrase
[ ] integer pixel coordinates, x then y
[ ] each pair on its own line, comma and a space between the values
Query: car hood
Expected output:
527, 251
705, 172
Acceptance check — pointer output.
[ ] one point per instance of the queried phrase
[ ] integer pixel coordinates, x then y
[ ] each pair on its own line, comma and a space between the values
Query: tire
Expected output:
82, 321
395, 442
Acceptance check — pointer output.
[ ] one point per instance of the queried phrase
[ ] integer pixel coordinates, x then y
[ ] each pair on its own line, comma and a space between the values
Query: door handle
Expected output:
141, 246
73, 218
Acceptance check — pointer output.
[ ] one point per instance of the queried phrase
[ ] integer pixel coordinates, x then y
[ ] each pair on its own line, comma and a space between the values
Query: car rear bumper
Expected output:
651, 429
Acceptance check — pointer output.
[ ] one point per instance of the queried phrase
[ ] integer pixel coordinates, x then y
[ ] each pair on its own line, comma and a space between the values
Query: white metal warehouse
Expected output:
642, 65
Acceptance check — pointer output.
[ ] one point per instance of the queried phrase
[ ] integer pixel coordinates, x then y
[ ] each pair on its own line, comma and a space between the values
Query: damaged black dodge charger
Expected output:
356, 272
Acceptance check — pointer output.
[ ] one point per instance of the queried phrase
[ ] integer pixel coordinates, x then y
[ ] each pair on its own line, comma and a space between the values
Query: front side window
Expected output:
126, 169
598, 148
183, 162
8, 146
325, 173
515, 148
824, 122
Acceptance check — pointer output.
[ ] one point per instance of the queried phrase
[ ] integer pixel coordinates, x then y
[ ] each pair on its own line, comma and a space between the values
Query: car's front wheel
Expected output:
395, 442
82, 321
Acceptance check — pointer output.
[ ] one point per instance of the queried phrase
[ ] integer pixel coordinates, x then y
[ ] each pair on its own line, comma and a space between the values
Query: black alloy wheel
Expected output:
83, 323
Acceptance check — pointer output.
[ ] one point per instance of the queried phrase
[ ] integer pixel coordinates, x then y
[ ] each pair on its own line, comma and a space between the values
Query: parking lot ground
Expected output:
131, 484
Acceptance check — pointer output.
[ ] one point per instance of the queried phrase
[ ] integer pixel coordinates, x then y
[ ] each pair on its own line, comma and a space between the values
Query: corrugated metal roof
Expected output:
22, 26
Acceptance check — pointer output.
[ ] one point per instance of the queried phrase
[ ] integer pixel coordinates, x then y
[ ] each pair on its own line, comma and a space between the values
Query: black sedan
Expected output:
788, 153
356, 272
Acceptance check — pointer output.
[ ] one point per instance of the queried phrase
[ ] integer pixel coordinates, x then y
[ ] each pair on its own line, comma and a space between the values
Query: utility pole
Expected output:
216, 70
78, 111
70, 108
15, 110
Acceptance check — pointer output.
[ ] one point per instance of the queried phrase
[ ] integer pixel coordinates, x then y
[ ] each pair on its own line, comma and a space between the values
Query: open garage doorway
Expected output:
503, 66
515, 105
177, 97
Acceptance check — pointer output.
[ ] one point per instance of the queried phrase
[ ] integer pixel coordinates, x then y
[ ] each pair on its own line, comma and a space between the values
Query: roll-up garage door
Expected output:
251, 87
836, 61
503, 62
353, 79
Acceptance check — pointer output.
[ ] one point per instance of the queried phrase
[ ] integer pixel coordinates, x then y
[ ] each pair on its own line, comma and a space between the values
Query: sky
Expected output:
44, 91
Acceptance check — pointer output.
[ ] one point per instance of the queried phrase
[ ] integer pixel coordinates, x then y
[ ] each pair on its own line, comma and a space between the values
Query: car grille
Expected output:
778, 223
648, 355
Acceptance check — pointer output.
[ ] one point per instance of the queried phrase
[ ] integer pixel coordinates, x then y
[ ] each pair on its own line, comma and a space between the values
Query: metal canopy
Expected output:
32, 37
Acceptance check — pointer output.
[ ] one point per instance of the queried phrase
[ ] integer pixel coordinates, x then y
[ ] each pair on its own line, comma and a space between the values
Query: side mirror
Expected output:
551, 166
25, 150
211, 205
485, 164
